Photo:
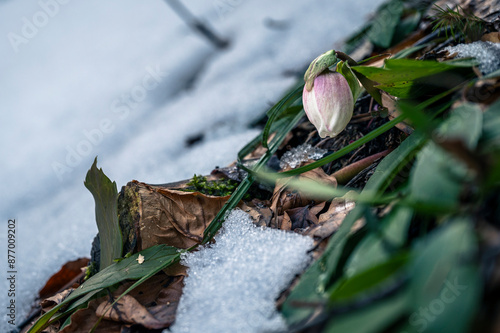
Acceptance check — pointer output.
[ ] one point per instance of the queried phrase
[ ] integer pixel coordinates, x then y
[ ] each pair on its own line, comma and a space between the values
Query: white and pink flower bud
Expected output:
329, 104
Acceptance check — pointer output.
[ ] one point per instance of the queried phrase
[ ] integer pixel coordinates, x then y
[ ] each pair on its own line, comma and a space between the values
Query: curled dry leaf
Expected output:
284, 199
259, 211
483, 92
48, 303
51, 329
330, 221
128, 310
301, 217
344, 175
152, 306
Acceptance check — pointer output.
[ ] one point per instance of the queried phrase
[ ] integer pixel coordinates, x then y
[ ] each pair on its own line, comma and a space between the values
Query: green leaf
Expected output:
405, 78
156, 258
437, 176
383, 27
465, 123
344, 69
491, 75
409, 50
367, 281
490, 139
281, 122
446, 283
420, 120
278, 109
442, 295
381, 244
393, 163
371, 319
406, 26
312, 189
106, 211
402, 70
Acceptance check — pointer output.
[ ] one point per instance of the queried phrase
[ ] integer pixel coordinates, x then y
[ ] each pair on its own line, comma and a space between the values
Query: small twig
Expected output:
319, 144
361, 115
355, 154
371, 105
196, 24
360, 120
347, 173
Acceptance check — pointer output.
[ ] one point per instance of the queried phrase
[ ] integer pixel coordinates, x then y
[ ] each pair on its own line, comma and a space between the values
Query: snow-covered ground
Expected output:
130, 82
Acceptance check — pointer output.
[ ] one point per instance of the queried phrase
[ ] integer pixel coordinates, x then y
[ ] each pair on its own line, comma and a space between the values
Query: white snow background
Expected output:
130, 82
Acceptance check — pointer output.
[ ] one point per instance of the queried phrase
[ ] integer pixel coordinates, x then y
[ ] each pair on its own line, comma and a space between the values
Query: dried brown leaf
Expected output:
330, 221
172, 217
153, 305
64, 278
284, 199
259, 211
493, 37
483, 92
301, 217
83, 320
48, 303
128, 310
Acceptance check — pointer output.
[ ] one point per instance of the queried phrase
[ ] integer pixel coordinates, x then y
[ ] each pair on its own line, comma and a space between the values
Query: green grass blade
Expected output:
277, 109
156, 258
281, 121
393, 163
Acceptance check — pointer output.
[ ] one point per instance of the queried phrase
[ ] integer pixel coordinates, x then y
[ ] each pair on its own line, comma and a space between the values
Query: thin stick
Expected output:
196, 24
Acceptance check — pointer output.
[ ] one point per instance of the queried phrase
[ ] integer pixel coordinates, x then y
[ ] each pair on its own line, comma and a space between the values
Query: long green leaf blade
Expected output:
277, 109
156, 258
106, 212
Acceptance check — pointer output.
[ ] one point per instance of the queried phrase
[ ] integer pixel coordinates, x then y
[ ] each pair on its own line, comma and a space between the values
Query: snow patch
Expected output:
302, 153
233, 284
487, 53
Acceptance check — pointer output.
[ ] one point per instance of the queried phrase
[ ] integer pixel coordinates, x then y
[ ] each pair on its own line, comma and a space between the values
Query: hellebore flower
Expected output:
329, 104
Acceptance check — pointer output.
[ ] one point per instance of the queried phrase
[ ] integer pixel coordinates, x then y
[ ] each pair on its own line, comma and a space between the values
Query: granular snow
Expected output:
302, 153
487, 53
232, 285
